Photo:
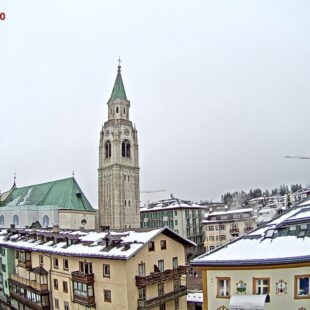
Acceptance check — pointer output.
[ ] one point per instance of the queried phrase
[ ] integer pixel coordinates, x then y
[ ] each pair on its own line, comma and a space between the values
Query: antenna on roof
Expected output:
14, 184
73, 173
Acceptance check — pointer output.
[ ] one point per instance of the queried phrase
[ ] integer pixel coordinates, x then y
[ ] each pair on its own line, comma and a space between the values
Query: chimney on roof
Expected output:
55, 228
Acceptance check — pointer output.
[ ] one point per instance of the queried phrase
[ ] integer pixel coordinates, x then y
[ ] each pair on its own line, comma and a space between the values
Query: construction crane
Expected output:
296, 157
155, 191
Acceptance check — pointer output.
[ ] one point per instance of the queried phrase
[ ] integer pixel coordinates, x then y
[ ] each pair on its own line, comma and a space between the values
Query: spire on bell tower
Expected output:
118, 91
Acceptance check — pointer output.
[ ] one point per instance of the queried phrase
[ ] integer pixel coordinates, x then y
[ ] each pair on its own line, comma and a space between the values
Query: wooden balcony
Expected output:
28, 303
87, 278
24, 263
84, 300
29, 283
247, 229
157, 301
160, 276
234, 231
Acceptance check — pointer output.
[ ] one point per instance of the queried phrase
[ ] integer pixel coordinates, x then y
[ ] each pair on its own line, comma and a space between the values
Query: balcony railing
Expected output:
234, 230
84, 300
87, 278
28, 303
24, 263
160, 276
247, 229
157, 301
32, 283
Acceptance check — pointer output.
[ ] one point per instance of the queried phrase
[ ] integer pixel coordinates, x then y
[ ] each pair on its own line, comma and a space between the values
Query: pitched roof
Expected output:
60, 194
283, 240
123, 244
118, 91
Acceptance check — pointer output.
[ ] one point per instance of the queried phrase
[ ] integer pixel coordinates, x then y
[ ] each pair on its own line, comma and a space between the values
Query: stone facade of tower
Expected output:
118, 173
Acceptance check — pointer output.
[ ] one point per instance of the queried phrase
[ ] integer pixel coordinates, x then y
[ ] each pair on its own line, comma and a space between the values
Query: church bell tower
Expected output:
118, 173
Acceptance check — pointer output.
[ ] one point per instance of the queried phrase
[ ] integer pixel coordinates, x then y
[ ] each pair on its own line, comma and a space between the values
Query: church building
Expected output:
118, 173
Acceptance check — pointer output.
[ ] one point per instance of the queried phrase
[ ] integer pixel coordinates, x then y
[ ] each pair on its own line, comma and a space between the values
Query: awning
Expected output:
247, 302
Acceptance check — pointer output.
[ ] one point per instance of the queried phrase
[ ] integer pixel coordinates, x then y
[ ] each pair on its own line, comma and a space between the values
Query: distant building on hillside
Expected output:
267, 268
182, 216
60, 202
223, 226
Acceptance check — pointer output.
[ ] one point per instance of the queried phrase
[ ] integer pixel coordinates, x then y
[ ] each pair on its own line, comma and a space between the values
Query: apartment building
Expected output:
267, 268
182, 216
125, 269
224, 226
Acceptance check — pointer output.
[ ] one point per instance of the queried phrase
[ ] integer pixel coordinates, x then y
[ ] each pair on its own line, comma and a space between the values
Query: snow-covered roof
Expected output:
172, 206
229, 212
113, 244
281, 244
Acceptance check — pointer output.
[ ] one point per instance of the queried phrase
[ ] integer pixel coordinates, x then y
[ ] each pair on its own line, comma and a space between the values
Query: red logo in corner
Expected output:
2, 16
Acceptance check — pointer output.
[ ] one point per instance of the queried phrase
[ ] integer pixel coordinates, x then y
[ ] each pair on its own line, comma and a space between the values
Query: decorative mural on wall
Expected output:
281, 287
241, 287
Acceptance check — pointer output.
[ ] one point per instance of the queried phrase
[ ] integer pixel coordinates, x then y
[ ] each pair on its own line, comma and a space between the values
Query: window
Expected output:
222, 237
211, 238
66, 305
55, 260
261, 286
175, 263
141, 269
124, 110
46, 221
151, 246
302, 286
1, 220
116, 109
107, 149
126, 148
65, 264
161, 265
55, 284
163, 244
161, 289
83, 222
142, 293
82, 289
107, 295
162, 307
176, 284
41, 261
65, 286
56, 301
211, 228
15, 220
222, 227
86, 268
106, 271
223, 287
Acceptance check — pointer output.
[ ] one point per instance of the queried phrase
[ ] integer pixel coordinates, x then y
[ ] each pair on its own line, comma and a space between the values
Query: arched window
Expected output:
15, 219
1, 220
108, 149
84, 222
116, 109
46, 221
126, 148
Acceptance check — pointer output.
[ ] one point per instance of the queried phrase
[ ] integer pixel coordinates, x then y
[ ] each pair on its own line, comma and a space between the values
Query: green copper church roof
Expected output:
60, 194
118, 91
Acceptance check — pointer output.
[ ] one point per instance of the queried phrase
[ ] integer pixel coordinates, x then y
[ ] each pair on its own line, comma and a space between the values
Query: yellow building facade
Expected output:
137, 269
268, 268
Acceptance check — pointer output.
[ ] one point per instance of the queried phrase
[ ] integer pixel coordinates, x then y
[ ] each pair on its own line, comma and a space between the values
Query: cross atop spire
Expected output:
119, 63
118, 89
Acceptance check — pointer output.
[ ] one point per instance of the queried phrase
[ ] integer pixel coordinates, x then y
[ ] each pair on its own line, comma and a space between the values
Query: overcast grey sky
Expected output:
219, 91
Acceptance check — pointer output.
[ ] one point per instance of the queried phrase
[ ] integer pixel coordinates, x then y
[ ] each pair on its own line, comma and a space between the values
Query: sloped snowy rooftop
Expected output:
258, 247
88, 244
